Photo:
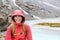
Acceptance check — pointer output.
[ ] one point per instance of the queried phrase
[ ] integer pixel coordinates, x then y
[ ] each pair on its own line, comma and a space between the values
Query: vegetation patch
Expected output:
49, 24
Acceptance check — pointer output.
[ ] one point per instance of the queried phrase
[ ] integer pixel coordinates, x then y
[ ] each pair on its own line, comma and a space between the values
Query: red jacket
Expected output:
18, 29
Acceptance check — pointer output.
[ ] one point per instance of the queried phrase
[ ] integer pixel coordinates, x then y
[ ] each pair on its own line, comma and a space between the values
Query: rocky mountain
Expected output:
33, 8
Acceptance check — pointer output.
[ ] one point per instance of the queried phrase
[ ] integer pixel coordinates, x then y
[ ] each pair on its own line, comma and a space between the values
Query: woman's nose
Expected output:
17, 17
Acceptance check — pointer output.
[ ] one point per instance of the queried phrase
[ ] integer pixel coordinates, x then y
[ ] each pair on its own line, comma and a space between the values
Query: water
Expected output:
44, 33
41, 34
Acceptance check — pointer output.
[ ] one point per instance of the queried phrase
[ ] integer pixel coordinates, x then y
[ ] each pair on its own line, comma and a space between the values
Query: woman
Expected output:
18, 20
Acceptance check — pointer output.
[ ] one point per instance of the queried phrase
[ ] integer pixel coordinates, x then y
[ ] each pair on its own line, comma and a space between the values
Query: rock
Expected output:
40, 8
5, 10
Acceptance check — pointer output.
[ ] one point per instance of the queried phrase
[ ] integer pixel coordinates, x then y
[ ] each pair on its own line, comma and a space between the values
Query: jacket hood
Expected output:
20, 13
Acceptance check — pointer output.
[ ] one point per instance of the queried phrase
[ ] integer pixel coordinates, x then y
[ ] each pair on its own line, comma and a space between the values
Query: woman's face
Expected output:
18, 19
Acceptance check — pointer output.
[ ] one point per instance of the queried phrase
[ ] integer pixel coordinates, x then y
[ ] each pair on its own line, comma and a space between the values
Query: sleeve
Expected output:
8, 34
29, 34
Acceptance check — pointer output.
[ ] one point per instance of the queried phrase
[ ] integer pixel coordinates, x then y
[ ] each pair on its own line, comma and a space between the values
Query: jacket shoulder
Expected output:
26, 25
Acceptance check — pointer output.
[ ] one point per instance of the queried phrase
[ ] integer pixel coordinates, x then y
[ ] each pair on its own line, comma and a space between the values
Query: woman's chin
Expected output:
18, 22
